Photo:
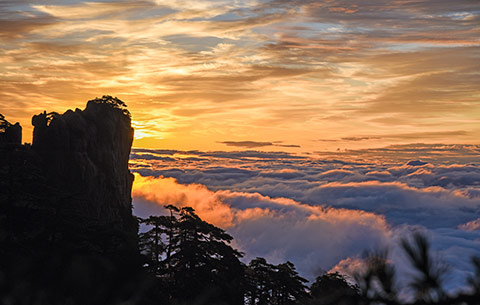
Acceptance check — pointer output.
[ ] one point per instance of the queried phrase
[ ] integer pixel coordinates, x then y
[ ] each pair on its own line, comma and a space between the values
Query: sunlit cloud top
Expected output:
322, 213
213, 75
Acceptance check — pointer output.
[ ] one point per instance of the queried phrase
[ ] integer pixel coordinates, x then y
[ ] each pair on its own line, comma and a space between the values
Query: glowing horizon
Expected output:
298, 76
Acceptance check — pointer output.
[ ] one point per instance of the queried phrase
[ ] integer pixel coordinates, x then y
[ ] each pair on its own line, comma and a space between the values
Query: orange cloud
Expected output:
279, 229
345, 10
193, 72
165, 191
214, 206
471, 225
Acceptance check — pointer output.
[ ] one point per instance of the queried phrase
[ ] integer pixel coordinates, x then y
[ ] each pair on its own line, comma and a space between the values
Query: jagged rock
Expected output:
10, 134
67, 233
71, 189
85, 153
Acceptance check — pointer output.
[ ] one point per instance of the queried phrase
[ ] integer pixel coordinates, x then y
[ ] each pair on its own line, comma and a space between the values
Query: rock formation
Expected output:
67, 233
86, 153
81, 193
10, 134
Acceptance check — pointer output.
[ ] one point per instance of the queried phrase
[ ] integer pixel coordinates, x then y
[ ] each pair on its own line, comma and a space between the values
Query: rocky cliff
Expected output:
72, 187
86, 154
67, 233
10, 133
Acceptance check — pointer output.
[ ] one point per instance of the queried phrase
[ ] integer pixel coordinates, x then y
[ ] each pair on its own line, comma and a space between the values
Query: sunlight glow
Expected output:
196, 74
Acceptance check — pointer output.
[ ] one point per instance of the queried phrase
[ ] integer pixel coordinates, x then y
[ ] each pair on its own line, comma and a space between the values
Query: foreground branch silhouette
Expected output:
377, 286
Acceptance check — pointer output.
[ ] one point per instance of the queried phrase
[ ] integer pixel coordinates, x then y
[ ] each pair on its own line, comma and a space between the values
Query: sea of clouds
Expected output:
322, 211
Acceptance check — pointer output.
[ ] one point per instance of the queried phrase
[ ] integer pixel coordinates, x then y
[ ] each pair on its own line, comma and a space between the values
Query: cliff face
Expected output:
10, 134
67, 233
85, 155
70, 190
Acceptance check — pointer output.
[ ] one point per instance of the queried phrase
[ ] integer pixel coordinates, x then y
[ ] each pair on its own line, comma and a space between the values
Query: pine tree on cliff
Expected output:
333, 289
193, 258
269, 284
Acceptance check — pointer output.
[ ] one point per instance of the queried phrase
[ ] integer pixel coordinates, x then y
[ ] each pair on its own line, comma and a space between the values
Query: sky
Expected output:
309, 130
290, 75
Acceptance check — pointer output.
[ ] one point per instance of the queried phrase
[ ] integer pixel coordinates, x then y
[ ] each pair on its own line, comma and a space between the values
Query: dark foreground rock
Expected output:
10, 134
67, 233
74, 177
85, 153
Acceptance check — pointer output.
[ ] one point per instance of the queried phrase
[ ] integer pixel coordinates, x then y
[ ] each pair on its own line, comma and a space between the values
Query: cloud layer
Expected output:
323, 212
279, 229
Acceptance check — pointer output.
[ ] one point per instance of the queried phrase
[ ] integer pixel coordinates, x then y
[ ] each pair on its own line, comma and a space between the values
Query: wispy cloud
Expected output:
294, 70
254, 144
